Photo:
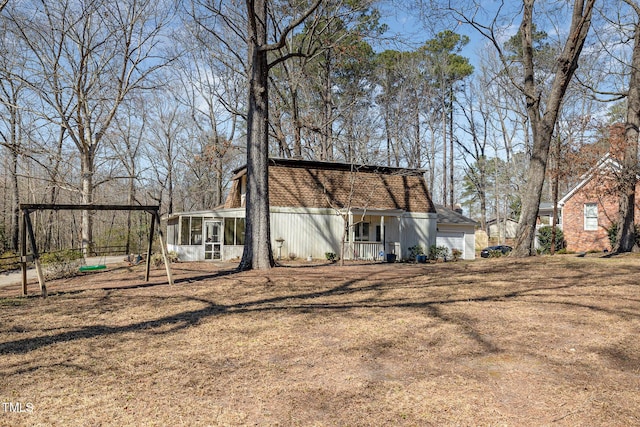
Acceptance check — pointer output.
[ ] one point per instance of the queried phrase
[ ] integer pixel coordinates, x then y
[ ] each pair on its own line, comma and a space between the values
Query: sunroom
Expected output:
207, 236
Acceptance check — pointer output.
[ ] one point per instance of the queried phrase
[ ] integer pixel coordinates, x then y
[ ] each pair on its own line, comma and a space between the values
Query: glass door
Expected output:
213, 240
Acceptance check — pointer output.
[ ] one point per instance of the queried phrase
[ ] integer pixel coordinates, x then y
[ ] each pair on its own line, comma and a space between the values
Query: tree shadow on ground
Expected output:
321, 301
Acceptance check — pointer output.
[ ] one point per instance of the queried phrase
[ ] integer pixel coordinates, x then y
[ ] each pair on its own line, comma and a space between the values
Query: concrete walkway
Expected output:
15, 277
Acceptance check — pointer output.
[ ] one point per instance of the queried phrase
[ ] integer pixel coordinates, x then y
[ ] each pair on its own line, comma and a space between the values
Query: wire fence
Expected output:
12, 262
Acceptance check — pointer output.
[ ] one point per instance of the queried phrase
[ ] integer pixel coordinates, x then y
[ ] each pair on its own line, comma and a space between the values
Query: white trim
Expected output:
607, 160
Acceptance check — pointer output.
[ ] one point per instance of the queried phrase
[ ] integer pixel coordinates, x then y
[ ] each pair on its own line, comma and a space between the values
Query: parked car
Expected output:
486, 252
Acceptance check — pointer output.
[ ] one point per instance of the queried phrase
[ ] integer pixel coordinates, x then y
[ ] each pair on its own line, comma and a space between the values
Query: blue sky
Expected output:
409, 27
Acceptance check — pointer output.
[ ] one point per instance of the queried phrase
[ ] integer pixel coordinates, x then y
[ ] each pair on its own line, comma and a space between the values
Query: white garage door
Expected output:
451, 240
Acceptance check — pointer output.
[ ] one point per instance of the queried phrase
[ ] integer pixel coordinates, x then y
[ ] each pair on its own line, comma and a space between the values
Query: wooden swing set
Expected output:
27, 230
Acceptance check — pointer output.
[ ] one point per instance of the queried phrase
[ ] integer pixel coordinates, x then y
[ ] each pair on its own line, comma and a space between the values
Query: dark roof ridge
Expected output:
327, 165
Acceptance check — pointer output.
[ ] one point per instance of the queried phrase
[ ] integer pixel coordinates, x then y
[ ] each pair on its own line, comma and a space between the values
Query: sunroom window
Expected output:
191, 230
234, 231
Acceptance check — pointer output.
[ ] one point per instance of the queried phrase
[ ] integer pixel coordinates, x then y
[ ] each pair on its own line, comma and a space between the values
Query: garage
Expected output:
456, 231
452, 241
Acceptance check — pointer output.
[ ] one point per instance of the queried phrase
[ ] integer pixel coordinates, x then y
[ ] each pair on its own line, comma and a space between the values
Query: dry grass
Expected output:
544, 341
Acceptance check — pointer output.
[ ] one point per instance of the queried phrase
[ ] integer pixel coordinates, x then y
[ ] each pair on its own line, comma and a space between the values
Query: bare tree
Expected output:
542, 107
267, 28
12, 94
88, 58
626, 235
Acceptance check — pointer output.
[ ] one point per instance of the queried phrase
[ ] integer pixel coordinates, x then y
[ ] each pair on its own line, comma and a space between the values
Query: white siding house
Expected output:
384, 210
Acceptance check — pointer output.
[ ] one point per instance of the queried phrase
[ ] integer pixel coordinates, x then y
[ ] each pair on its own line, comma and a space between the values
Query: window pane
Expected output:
590, 216
216, 232
184, 230
240, 231
229, 228
196, 230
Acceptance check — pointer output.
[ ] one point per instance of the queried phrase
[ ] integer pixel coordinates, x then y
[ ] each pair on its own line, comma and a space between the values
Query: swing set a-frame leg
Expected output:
156, 220
27, 228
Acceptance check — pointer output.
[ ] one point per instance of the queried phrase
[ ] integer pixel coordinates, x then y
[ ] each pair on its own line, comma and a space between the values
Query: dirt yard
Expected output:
543, 341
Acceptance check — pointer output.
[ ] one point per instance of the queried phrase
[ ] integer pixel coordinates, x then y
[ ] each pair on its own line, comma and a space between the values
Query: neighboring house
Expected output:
456, 231
590, 207
505, 228
383, 210
545, 214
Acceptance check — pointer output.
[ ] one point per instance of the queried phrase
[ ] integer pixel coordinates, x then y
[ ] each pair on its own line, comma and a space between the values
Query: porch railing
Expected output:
369, 251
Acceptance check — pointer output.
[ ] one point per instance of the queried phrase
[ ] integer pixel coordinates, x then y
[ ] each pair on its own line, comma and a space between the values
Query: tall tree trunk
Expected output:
626, 237
170, 201
87, 170
327, 137
130, 200
554, 195
257, 249
297, 128
444, 152
451, 170
417, 162
542, 125
15, 202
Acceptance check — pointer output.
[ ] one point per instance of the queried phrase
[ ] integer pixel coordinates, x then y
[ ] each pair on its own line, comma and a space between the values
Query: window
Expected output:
185, 225
362, 232
191, 230
234, 231
196, 230
590, 216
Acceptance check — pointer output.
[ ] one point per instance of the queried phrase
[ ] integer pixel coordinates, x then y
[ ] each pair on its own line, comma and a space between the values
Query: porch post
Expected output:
351, 236
384, 238
402, 237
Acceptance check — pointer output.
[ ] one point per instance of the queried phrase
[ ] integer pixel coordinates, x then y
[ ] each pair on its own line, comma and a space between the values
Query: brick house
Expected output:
590, 207
384, 210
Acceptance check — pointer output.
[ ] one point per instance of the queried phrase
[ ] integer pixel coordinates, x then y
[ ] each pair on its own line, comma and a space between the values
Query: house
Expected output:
591, 206
504, 228
456, 231
313, 205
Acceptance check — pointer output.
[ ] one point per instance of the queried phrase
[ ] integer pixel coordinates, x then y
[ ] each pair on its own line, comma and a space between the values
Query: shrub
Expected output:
612, 232
331, 256
157, 260
456, 254
61, 264
496, 253
544, 238
438, 252
414, 251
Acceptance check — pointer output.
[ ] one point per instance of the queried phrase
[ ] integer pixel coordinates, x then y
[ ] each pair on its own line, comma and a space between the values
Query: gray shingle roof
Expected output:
449, 216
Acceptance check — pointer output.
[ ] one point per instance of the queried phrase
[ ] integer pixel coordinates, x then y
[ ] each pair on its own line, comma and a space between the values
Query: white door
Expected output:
212, 240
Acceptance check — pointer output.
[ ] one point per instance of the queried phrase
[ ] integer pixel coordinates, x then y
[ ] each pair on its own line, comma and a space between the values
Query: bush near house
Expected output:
612, 232
544, 238
438, 252
414, 251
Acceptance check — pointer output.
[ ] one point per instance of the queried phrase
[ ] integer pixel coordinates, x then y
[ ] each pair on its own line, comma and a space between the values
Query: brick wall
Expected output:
599, 190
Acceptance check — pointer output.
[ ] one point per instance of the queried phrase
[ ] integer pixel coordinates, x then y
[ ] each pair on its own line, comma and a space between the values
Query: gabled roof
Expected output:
607, 162
312, 184
494, 220
449, 216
